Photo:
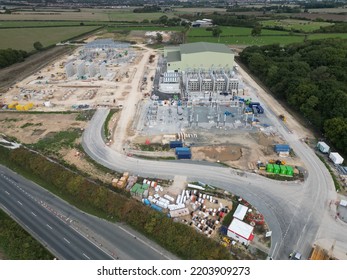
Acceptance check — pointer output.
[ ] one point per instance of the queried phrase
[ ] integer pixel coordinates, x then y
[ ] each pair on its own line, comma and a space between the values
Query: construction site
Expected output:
217, 118
99, 73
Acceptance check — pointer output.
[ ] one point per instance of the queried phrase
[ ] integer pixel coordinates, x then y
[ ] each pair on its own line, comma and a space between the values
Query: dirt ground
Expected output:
17, 72
29, 128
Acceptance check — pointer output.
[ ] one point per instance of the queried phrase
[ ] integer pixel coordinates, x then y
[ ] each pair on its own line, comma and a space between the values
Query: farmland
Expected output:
46, 23
291, 24
23, 38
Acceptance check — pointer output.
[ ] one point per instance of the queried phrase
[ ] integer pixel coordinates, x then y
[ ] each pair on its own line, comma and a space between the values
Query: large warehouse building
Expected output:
201, 55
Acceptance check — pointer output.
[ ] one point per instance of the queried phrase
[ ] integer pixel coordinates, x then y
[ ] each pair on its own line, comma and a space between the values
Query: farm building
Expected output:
200, 55
240, 231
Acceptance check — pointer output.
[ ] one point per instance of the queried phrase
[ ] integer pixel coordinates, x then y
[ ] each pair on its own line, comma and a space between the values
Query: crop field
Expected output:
17, 24
23, 38
83, 15
145, 28
289, 24
198, 10
249, 40
232, 31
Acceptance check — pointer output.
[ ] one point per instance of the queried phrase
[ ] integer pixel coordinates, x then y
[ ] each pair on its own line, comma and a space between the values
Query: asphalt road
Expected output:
292, 210
65, 230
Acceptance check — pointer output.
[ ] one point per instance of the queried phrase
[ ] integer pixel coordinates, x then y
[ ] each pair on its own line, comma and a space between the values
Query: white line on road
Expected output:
33, 214
7, 192
19, 202
66, 240
86, 256
49, 226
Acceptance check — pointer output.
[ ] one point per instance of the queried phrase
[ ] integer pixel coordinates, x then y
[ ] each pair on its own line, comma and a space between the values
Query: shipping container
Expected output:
324, 148
176, 144
283, 170
282, 148
276, 168
270, 168
182, 149
146, 201
336, 158
290, 170
184, 156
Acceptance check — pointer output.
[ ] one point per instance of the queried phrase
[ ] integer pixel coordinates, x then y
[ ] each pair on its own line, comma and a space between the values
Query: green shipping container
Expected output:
283, 170
135, 188
276, 169
270, 168
290, 171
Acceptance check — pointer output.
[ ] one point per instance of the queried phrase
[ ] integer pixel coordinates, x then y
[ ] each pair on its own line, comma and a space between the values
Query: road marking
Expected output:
33, 214
66, 240
49, 226
86, 256
19, 202
7, 192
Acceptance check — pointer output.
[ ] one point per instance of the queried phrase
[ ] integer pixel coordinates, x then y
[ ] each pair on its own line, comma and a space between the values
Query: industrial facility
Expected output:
199, 68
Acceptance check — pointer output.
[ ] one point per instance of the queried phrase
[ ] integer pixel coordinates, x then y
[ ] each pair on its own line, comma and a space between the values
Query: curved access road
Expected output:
294, 211
65, 230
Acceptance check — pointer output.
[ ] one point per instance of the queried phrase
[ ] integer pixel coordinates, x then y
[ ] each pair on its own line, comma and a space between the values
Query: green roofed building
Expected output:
200, 55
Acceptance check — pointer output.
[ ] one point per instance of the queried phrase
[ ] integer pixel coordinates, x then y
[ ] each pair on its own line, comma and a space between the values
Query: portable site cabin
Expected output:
240, 231
336, 158
324, 148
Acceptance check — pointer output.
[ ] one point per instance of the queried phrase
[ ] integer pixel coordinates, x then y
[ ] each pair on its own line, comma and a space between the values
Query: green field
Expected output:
249, 40
289, 24
145, 28
264, 40
232, 31
23, 38
16, 24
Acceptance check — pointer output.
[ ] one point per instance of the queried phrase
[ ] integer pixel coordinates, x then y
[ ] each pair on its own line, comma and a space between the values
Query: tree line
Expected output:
311, 77
10, 56
180, 239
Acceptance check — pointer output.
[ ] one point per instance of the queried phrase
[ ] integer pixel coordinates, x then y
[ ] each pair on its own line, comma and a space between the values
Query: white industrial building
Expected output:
240, 212
240, 231
69, 69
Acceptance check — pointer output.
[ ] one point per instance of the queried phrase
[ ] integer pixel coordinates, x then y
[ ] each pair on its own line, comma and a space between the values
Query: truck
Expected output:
282, 117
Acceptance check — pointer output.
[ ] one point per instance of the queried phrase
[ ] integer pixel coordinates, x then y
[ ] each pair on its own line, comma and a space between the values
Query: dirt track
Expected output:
19, 71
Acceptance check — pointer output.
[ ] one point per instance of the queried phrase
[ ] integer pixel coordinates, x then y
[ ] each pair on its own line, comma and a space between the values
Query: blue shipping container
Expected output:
146, 202
182, 149
175, 144
184, 156
282, 148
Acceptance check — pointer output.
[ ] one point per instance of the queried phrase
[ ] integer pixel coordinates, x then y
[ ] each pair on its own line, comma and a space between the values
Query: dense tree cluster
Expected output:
336, 28
10, 56
178, 238
17, 244
147, 9
311, 77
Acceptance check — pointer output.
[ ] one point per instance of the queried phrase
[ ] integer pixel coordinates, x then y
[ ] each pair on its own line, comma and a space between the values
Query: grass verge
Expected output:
336, 182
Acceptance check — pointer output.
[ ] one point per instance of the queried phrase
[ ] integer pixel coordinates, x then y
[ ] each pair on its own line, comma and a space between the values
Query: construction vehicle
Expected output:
282, 117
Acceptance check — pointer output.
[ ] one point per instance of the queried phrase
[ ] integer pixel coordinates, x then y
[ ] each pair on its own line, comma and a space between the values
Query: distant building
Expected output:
202, 23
